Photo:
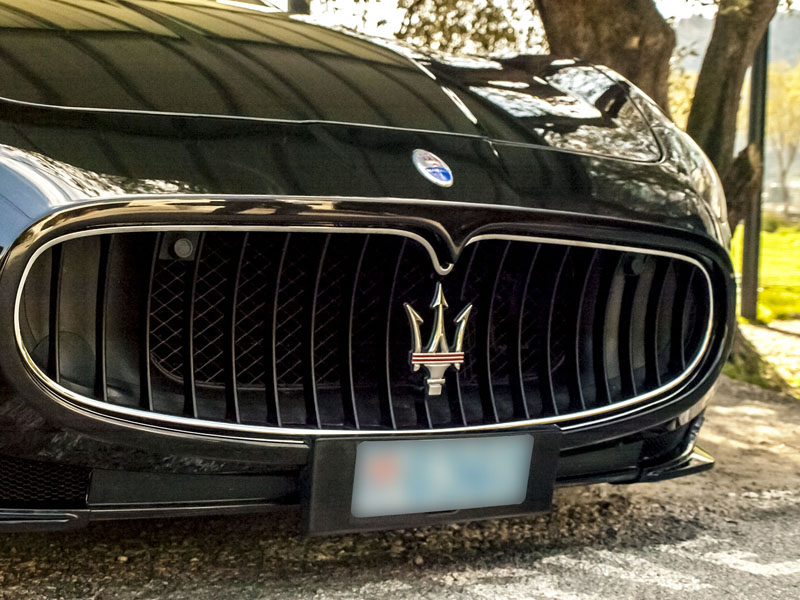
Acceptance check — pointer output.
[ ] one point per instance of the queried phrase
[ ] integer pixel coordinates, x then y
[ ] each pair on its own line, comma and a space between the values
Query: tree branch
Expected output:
742, 183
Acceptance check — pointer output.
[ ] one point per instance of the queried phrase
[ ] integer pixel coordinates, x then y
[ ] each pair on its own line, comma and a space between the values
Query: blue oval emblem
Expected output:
432, 168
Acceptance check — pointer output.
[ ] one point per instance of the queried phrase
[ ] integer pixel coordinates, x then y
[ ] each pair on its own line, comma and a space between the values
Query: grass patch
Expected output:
758, 372
778, 298
779, 272
746, 364
757, 375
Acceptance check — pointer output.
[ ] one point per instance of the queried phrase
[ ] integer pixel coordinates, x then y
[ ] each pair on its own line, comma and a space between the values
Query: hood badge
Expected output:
437, 357
432, 168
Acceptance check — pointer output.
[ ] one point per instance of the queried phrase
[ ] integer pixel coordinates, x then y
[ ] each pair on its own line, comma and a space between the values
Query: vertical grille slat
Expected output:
549, 388
486, 334
309, 376
332, 303
101, 373
601, 376
466, 377
685, 320
190, 295
529, 325
232, 412
145, 361
270, 342
626, 343
385, 378
654, 307
698, 320
682, 281
423, 412
516, 371
455, 398
349, 405
53, 350
454, 378
576, 380
307, 330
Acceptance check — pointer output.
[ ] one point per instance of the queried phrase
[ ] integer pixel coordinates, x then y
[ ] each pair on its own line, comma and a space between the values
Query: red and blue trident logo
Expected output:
437, 356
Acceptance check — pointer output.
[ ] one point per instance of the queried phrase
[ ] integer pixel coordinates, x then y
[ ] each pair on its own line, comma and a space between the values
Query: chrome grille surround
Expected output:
242, 429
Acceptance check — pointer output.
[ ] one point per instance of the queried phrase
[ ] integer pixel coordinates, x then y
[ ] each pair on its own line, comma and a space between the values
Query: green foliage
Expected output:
681, 93
770, 224
779, 302
746, 364
779, 271
480, 27
756, 371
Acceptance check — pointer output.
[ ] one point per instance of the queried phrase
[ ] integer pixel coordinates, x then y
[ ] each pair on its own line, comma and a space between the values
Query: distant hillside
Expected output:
784, 39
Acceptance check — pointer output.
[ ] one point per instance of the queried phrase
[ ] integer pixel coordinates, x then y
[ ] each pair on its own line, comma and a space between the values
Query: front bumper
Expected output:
139, 468
113, 495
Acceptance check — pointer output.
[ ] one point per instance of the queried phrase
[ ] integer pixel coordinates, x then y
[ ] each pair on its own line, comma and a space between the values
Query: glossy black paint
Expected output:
278, 122
84, 156
241, 63
292, 133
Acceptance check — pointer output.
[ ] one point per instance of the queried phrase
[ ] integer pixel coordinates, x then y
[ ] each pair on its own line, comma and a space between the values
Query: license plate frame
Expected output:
328, 484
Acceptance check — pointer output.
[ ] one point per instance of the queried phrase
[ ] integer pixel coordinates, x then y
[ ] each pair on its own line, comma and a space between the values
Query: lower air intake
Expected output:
27, 483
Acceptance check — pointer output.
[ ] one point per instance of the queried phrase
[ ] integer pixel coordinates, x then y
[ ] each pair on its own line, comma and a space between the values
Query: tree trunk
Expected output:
738, 29
743, 184
630, 36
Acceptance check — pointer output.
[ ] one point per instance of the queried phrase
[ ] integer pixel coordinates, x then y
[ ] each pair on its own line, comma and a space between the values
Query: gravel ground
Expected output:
733, 532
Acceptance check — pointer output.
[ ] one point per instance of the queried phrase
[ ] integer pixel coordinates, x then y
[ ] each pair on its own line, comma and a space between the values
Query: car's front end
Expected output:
330, 262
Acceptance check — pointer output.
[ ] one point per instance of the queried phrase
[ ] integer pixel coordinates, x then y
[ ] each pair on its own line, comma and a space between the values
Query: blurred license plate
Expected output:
418, 476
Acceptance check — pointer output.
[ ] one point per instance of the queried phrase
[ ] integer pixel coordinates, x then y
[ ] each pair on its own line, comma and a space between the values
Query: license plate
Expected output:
422, 476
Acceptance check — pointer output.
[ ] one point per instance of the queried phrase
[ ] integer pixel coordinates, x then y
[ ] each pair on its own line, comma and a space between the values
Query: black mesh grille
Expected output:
253, 299
166, 323
212, 289
309, 329
27, 482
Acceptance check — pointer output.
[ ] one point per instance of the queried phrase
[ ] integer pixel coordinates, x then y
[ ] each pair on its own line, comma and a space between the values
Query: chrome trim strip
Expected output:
441, 270
81, 403
150, 511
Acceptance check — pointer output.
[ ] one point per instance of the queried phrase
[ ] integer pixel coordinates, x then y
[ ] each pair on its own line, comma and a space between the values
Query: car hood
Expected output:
201, 58
105, 100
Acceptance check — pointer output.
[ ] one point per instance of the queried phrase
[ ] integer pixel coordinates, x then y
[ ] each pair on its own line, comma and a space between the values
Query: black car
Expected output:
247, 261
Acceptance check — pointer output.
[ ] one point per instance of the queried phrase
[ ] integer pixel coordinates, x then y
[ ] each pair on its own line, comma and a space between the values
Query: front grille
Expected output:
308, 330
31, 483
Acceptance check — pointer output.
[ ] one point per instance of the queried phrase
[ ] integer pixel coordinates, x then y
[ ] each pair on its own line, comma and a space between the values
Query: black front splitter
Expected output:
691, 460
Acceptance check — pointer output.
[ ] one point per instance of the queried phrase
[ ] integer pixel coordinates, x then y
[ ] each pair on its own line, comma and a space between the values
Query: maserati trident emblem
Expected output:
437, 356
432, 168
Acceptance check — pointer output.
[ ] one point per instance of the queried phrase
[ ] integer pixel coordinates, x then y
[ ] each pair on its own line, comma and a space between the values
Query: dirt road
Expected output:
733, 532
